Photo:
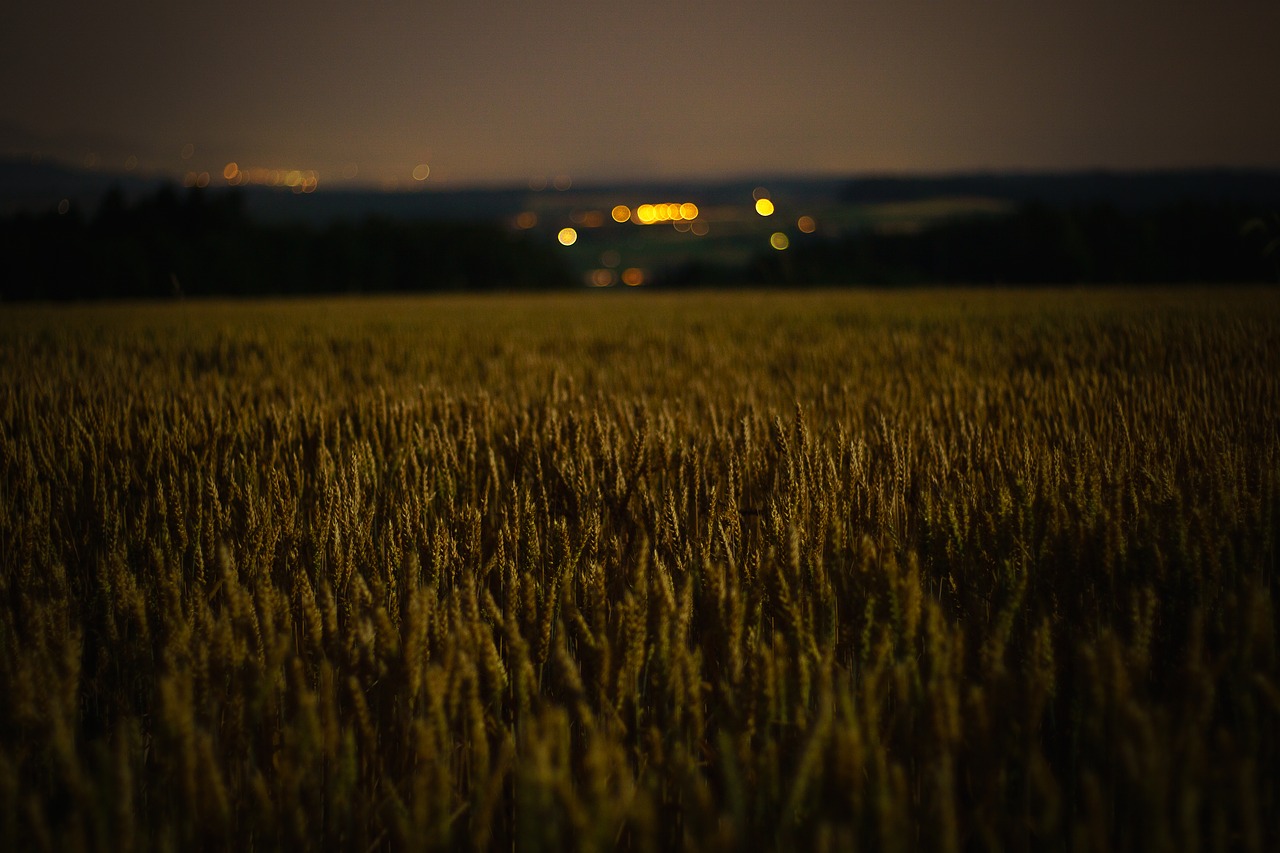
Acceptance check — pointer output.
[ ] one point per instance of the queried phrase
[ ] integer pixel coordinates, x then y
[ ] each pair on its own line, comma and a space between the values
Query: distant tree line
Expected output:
1185, 242
200, 243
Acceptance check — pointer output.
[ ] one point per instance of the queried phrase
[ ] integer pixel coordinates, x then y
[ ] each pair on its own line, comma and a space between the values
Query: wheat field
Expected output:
928, 570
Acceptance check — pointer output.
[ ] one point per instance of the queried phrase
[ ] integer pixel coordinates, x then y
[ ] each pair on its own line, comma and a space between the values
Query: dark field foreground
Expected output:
935, 570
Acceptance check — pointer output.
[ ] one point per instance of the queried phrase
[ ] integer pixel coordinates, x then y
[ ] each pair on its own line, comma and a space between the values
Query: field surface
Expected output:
931, 570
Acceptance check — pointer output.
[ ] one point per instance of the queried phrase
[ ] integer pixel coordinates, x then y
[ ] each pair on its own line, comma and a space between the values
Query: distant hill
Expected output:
1125, 190
35, 188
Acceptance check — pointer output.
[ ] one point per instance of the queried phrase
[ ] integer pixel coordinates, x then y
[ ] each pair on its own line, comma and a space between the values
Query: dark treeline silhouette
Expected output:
204, 243
1185, 242
201, 243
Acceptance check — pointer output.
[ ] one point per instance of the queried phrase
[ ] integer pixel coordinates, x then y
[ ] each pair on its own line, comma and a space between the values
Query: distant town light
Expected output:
567, 236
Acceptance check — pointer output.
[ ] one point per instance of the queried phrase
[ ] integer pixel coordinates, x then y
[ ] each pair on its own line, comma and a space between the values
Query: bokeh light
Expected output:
350, 170
759, 193
603, 278
764, 207
779, 241
64, 206
188, 151
231, 171
699, 228
526, 219
421, 172
806, 224
610, 258
689, 210
562, 182
646, 214
567, 236
130, 163
620, 213
633, 276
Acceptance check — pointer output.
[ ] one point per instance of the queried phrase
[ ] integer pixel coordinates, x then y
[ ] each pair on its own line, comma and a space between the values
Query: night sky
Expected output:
489, 92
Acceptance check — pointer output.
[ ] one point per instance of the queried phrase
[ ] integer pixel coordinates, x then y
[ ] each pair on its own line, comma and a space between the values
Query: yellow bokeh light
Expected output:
764, 207
421, 172
689, 210
779, 241
673, 211
602, 278
231, 171
633, 277
806, 224
647, 214
567, 236
620, 213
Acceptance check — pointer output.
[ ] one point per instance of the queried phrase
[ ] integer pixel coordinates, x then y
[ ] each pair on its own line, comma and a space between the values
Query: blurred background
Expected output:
166, 149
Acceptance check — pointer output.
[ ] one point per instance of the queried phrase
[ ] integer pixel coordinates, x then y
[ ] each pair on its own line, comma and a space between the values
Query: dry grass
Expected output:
917, 571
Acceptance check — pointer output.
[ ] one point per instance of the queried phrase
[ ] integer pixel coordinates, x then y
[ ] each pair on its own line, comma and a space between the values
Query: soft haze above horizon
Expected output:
486, 92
